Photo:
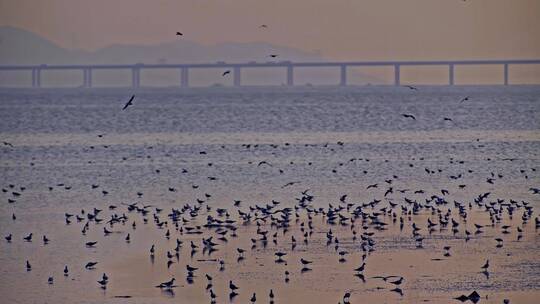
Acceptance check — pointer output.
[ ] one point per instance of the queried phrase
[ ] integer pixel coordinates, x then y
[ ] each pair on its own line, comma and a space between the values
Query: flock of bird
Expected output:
272, 225
209, 228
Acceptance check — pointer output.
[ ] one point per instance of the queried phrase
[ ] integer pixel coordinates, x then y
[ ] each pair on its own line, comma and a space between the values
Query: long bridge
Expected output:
288, 66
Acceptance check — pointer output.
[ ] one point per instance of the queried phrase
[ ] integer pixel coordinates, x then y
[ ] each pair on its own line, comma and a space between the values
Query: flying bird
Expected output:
464, 99
179, 34
409, 116
288, 184
129, 103
411, 87
264, 163
226, 72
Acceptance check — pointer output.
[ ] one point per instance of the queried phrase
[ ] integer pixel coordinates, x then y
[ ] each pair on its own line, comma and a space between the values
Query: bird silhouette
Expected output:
409, 116
129, 103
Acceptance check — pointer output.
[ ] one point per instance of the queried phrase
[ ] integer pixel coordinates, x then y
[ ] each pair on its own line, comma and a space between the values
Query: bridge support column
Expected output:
451, 74
87, 78
506, 74
36, 78
33, 78
135, 77
184, 77
290, 76
343, 75
236, 76
397, 81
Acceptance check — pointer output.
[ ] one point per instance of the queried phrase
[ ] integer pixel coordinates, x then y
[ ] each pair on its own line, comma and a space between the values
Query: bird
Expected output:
50, 280
179, 34
8, 238
263, 26
226, 72
263, 163
28, 266
486, 265
28, 238
129, 103
253, 298
167, 284
273, 55
361, 268
411, 87
103, 283
191, 269
466, 98
232, 287
409, 116
66, 271
280, 256
90, 265
346, 297
289, 184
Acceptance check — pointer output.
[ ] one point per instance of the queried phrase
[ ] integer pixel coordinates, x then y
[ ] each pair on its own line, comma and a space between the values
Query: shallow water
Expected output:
55, 141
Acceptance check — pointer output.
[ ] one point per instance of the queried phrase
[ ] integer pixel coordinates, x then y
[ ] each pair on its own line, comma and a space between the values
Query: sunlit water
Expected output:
55, 141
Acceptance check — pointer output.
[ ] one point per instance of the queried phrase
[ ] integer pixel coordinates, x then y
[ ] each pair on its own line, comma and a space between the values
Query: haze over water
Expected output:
332, 141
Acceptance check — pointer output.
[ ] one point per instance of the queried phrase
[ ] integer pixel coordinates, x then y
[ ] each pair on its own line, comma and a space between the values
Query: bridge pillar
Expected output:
135, 77
397, 81
506, 74
33, 78
290, 75
343, 76
451, 74
87, 78
236, 76
184, 77
36, 78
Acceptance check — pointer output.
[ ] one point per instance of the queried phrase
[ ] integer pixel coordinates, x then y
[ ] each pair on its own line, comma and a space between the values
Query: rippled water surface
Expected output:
332, 141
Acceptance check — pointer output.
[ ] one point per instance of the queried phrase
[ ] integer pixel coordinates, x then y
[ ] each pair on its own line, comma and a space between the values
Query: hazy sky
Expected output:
339, 29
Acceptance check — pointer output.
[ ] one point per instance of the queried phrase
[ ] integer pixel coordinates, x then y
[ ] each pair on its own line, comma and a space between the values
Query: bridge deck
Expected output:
236, 67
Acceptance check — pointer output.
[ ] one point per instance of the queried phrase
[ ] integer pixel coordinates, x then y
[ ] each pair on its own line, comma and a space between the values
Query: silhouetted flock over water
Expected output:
270, 224
197, 231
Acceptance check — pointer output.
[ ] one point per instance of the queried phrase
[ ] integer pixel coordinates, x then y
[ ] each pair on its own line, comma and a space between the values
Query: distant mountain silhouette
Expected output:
19, 46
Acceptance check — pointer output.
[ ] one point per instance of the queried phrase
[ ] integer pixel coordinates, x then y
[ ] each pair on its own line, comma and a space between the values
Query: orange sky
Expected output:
339, 29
